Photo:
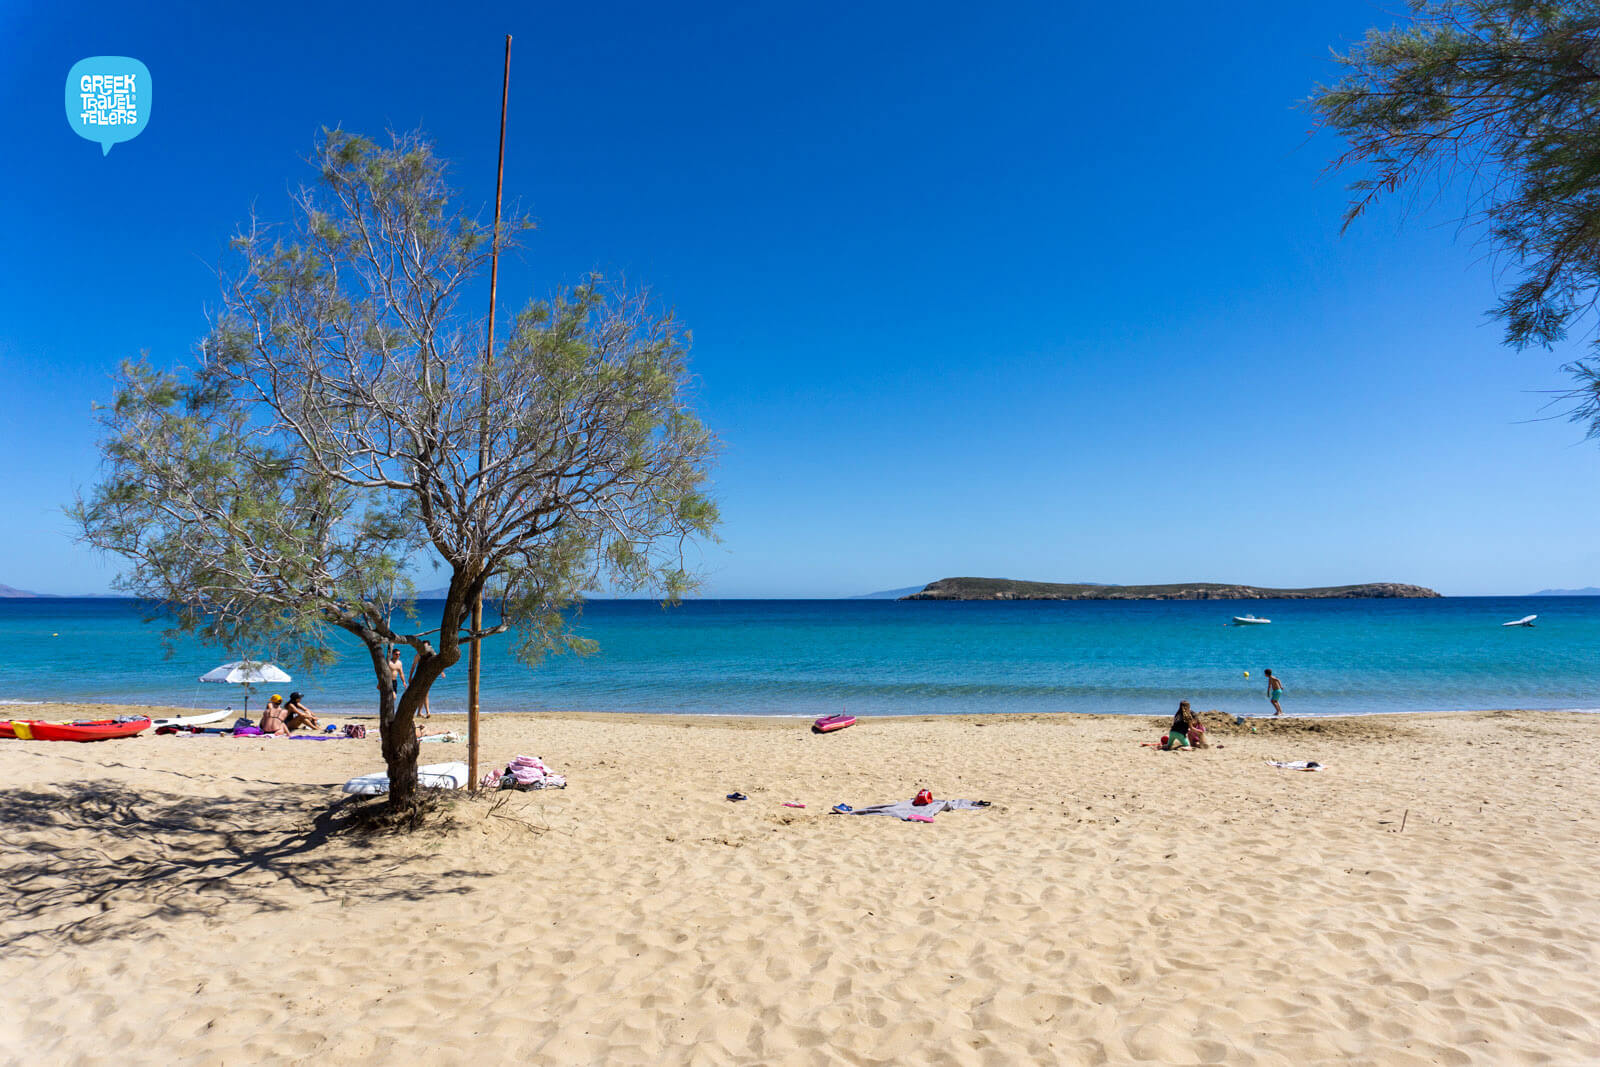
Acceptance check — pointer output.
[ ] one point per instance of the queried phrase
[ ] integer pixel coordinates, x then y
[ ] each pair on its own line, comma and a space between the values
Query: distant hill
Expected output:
1587, 590
890, 594
1011, 589
7, 591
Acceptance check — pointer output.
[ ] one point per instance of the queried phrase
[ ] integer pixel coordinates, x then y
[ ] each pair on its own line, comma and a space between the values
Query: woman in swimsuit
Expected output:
299, 717
274, 720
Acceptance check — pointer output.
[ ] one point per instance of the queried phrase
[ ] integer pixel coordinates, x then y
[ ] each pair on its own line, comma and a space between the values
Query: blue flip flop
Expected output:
737, 796
842, 809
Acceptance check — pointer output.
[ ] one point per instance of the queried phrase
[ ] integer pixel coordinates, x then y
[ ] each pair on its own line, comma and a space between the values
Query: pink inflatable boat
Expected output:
829, 723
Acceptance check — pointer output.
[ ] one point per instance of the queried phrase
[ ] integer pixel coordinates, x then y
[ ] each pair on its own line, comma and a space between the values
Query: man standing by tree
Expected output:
397, 670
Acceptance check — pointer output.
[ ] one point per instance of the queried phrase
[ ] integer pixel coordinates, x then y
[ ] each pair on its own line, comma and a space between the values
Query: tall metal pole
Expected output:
475, 653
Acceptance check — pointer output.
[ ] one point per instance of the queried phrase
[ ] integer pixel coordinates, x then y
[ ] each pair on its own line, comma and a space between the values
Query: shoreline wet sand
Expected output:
208, 899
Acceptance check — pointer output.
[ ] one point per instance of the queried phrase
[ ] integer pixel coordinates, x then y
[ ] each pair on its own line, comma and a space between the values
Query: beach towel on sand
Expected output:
1295, 765
905, 809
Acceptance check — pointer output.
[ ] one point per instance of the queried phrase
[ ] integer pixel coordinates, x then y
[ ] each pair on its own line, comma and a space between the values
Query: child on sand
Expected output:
1274, 691
1187, 730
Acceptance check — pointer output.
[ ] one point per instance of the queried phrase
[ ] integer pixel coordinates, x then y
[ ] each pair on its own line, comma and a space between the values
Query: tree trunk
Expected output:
395, 728
397, 713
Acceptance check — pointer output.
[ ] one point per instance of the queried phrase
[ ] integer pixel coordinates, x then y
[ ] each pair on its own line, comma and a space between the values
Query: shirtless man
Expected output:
1274, 691
397, 671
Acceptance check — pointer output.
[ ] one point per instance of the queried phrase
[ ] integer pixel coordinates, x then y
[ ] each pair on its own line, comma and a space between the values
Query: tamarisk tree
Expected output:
328, 437
1504, 94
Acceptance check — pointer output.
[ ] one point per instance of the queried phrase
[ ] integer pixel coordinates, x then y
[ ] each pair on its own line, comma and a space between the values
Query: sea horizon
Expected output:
803, 657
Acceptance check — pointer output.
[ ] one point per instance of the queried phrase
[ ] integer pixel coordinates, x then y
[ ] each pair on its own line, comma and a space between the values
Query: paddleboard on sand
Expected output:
203, 719
829, 723
432, 776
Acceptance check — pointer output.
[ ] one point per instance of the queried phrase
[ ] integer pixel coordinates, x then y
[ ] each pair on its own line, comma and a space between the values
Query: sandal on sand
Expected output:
841, 809
737, 796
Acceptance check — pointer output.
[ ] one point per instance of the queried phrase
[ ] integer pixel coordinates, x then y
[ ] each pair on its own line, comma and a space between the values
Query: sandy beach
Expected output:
207, 900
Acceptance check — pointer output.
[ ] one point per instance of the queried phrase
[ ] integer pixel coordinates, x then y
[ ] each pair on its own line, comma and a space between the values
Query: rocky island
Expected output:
1011, 589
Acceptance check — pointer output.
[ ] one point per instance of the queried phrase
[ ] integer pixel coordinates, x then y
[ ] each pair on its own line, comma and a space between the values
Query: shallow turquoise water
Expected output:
809, 657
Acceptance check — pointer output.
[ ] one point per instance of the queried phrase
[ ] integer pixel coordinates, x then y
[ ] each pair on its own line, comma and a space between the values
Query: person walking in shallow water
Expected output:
1274, 690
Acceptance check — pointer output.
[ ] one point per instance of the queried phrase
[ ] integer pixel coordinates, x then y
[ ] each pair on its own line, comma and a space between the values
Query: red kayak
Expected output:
829, 723
90, 730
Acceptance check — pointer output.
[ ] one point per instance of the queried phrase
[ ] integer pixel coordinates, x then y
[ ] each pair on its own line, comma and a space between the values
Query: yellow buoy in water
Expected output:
1247, 674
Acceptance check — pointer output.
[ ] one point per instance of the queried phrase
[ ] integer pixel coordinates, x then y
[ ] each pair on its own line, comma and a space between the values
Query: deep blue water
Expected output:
808, 657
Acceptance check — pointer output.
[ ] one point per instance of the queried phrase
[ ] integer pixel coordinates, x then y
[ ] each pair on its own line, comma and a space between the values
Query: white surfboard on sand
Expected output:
432, 776
203, 719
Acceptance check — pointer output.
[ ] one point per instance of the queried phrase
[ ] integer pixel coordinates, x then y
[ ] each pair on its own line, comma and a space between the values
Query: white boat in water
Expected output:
1526, 620
1249, 620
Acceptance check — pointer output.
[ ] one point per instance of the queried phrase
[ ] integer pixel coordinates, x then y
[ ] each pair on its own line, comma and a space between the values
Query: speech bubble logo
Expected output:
108, 99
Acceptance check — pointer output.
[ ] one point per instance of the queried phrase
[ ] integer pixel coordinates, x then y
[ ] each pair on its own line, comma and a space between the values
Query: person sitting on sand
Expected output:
1187, 730
275, 720
299, 716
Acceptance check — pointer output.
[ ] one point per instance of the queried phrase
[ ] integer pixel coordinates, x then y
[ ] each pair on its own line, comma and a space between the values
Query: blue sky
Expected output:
1023, 291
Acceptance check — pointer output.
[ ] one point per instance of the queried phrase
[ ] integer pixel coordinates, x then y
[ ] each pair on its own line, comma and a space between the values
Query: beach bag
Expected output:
356, 730
924, 797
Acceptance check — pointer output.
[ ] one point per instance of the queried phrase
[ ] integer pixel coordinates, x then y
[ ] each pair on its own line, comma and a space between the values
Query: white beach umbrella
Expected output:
247, 673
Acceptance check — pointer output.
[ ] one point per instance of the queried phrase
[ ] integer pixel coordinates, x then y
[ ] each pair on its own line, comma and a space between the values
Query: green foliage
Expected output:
331, 435
1504, 94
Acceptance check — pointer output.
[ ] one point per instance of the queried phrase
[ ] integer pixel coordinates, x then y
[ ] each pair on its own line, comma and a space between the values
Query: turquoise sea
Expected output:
810, 657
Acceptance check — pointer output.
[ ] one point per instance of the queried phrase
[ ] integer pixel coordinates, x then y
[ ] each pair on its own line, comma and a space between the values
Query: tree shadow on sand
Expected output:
93, 861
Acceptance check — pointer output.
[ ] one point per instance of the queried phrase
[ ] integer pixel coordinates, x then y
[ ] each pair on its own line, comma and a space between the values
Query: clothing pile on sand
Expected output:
524, 772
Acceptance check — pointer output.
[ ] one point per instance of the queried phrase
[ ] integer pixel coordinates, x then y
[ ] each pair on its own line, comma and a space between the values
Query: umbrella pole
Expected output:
475, 653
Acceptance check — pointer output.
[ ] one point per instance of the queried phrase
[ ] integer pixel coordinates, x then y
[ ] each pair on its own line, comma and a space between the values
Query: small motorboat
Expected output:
1249, 620
1526, 620
829, 723
86, 730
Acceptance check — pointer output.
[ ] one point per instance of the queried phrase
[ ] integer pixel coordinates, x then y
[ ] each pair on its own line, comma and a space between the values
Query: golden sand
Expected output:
206, 900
